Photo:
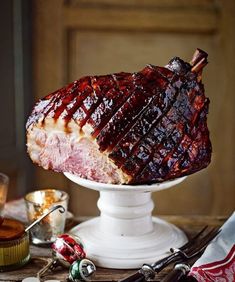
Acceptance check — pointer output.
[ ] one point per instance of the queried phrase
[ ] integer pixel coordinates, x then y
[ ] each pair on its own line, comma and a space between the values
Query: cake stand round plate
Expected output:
125, 235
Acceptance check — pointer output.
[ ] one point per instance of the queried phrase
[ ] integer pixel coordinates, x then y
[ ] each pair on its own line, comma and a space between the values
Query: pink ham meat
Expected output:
144, 127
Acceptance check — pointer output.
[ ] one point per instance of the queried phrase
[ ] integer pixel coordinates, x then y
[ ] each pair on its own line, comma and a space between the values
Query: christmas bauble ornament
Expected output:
82, 270
66, 249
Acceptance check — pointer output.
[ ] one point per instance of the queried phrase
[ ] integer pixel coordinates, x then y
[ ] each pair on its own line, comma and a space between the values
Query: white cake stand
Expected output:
125, 235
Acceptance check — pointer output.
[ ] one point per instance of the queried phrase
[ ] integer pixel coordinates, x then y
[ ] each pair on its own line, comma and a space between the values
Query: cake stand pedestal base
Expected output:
125, 235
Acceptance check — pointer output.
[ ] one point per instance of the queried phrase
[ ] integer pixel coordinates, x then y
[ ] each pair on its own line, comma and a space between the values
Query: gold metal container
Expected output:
39, 203
14, 245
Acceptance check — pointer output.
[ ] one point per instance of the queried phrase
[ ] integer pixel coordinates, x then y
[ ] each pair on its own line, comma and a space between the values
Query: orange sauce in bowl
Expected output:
14, 245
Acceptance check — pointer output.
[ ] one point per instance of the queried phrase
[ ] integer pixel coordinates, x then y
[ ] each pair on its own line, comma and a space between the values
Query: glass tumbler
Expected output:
4, 182
38, 203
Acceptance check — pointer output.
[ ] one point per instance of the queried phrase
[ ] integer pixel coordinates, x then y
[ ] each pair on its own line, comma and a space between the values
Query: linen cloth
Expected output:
217, 263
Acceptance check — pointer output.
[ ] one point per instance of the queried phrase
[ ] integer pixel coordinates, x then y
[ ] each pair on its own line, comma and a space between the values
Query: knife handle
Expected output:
178, 272
162, 263
136, 277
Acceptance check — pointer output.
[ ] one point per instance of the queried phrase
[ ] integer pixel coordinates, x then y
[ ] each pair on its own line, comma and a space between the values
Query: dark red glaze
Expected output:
150, 117
158, 139
187, 144
146, 86
152, 123
1, 220
115, 97
76, 94
62, 103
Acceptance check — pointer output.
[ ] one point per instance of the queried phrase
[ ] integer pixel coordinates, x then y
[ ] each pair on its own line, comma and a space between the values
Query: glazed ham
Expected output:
143, 127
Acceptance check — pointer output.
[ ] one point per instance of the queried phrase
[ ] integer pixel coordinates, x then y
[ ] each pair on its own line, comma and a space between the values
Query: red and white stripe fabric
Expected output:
217, 264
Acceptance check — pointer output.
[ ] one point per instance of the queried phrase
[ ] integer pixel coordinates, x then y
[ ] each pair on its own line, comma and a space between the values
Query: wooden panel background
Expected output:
16, 94
74, 38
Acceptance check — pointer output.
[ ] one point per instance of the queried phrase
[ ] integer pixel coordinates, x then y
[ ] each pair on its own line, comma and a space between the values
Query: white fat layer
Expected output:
38, 134
87, 129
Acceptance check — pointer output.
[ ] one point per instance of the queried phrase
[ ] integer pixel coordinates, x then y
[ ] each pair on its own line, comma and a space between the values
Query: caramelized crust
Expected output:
149, 126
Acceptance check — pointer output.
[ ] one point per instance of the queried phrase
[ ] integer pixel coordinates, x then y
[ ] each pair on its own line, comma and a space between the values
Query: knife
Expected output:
149, 271
181, 255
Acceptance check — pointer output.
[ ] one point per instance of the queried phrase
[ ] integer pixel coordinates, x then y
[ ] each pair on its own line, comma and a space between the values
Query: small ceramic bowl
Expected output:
14, 245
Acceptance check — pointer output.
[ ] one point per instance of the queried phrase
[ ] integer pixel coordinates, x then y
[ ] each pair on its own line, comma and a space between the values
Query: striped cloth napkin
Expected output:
217, 263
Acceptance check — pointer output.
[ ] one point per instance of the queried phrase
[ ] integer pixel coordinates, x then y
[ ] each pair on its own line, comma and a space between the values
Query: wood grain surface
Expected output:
40, 256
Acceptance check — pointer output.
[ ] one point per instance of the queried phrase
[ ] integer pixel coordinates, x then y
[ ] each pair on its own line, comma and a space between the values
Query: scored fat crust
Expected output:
38, 133
145, 127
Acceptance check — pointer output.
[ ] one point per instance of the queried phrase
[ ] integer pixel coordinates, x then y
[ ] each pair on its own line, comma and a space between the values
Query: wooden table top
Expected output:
189, 224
